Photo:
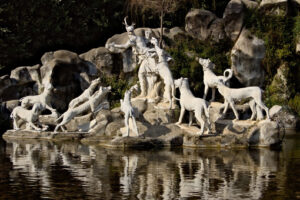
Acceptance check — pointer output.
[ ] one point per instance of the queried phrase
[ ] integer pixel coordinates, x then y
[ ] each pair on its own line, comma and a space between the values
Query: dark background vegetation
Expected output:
29, 28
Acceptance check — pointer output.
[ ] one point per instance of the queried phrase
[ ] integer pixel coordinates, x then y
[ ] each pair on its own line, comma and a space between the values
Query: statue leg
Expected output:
234, 110
142, 80
262, 105
134, 125
34, 126
213, 94
198, 115
253, 109
16, 127
126, 120
191, 115
205, 91
182, 111
226, 107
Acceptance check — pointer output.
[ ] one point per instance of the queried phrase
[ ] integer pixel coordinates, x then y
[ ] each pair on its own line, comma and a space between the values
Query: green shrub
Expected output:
184, 51
294, 103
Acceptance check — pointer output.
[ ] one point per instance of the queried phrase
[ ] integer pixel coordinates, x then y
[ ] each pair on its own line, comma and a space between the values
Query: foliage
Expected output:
119, 84
30, 28
279, 34
294, 103
184, 52
159, 7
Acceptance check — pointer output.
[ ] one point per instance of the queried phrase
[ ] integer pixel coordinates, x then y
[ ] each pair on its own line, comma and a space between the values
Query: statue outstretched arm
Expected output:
121, 46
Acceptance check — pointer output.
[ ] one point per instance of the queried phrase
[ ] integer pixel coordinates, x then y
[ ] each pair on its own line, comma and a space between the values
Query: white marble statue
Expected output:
233, 94
44, 99
140, 49
164, 72
190, 103
127, 108
94, 103
85, 95
210, 79
31, 117
256, 110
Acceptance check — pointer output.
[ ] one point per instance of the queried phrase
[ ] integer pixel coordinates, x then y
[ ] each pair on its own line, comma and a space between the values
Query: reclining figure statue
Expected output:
233, 94
44, 99
210, 79
190, 103
164, 72
94, 103
31, 117
127, 108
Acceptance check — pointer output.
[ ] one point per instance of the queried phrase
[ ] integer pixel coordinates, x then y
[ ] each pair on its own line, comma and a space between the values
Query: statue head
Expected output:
154, 41
206, 63
129, 28
147, 33
178, 82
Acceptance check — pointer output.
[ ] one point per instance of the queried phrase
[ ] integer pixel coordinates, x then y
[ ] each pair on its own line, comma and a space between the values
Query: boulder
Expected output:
197, 23
246, 57
171, 33
217, 32
10, 105
284, 117
233, 19
101, 58
69, 75
250, 4
79, 123
140, 105
97, 128
205, 25
142, 128
27, 74
113, 128
11, 90
274, 7
157, 116
279, 89
265, 134
5, 84
275, 110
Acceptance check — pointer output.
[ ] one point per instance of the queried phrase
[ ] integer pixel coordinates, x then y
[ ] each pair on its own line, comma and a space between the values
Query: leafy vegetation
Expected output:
30, 28
280, 34
184, 52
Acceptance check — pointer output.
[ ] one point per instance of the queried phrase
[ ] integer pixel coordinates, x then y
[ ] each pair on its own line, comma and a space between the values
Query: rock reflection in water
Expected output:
73, 170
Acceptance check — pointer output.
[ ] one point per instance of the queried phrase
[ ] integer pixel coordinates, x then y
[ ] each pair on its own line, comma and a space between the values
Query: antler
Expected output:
125, 21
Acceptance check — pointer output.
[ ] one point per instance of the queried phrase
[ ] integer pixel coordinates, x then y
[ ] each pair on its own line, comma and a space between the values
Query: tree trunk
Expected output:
161, 28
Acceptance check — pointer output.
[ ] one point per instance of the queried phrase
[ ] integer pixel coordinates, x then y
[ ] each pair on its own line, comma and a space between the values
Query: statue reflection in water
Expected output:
107, 173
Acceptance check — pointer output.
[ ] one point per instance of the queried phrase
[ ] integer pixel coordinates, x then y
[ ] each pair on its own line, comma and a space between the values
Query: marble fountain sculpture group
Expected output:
153, 61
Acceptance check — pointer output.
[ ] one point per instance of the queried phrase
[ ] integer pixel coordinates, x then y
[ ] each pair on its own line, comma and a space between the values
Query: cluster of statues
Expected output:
153, 61
91, 100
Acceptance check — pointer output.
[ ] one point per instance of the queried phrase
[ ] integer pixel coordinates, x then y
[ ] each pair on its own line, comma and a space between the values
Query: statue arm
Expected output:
123, 46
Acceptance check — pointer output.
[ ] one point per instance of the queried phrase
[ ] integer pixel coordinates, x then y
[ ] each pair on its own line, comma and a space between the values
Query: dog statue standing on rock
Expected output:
31, 117
210, 79
127, 108
232, 94
190, 103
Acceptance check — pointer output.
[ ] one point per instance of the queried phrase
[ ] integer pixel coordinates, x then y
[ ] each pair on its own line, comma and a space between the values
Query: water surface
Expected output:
31, 169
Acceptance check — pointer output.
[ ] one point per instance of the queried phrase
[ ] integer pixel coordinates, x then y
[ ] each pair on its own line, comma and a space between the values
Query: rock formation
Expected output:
246, 57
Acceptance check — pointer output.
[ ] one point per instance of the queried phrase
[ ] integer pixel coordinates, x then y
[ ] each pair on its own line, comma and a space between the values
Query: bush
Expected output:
184, 51
294, 103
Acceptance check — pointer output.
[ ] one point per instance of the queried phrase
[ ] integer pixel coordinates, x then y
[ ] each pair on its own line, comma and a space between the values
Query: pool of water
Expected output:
31, 169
